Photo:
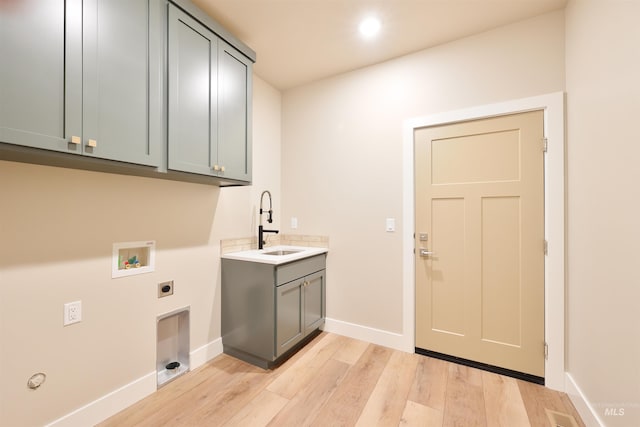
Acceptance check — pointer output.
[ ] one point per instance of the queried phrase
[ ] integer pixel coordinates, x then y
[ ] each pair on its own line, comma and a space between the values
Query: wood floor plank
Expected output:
346, 404
232, 398
389, 397
351, 351
430, 383
537, 398
503, 403
171, 398
304, 407
570, 409
464, 406
179, 412
417, 415
260, 411
298, 375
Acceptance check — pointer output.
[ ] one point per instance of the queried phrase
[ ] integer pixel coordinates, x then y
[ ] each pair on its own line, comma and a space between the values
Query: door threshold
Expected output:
483, 366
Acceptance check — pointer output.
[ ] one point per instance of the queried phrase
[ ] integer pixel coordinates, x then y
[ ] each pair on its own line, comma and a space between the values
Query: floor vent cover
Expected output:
558, 419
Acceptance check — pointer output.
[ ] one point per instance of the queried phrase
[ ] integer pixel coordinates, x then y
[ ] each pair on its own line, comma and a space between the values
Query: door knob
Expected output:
426, 252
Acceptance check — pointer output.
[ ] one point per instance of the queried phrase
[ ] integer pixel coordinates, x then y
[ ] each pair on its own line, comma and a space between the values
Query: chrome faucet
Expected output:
269, 213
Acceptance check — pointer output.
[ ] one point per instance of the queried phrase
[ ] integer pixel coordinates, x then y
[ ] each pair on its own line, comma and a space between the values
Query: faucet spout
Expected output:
270, 211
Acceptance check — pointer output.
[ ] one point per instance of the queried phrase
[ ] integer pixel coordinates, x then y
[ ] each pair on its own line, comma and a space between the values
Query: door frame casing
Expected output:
553, 106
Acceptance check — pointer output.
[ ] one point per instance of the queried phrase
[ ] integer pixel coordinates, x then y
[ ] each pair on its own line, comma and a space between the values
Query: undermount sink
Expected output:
276, 254
283, 252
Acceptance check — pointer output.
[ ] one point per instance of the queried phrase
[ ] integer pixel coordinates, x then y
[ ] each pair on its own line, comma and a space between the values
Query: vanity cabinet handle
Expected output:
75, 140
92, 143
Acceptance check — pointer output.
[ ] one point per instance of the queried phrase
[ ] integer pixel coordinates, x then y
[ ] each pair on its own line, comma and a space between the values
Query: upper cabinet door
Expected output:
234, 120
192, 95
39, 103
116, 81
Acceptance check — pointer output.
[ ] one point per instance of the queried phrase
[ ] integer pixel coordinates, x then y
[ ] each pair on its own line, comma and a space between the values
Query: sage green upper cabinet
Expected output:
40, 93
118, 74
234, 112
209, 102
84, 77
193, 52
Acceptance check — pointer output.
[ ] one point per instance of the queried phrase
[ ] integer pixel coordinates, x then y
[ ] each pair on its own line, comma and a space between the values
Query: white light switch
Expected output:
294, 222
391, 225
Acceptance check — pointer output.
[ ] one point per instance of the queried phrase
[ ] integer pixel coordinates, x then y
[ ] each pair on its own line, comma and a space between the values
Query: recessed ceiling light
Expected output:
369, 27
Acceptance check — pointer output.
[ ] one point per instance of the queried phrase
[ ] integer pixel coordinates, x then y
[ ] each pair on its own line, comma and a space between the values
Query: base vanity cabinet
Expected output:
269, 310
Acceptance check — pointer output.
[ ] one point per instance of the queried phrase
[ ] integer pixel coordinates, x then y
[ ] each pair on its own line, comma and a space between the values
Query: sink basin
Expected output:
282, 252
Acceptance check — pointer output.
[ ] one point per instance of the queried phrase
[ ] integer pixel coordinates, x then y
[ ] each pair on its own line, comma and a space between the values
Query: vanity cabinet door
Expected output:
289, 315
193, 51
40, 93
314, 301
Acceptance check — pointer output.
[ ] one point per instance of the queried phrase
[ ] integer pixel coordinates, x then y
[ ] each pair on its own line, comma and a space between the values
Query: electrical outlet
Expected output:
72, 313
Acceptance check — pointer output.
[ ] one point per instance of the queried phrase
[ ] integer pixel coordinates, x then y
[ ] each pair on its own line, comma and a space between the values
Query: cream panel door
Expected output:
480, 225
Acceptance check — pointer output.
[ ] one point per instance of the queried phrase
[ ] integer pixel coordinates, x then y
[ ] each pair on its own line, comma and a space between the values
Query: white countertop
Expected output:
260, 255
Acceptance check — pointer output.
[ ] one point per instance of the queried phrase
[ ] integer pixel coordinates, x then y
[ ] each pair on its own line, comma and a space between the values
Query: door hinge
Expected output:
546, 247
546, 351
545, 145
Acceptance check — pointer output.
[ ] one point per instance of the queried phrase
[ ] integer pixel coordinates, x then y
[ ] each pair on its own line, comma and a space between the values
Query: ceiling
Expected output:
299, 41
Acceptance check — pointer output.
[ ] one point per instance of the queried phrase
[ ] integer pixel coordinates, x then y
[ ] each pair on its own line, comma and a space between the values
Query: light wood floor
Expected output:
338, 381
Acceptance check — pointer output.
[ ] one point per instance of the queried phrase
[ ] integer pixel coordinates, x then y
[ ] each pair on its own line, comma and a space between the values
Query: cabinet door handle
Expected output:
221, 168
216, 168
75, 140
92, 143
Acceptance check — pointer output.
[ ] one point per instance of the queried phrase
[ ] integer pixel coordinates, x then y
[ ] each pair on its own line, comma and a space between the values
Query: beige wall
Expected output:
603, 105
57, 227
342, 150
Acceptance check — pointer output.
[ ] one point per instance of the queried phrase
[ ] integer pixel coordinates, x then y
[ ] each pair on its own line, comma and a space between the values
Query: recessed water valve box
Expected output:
133, 258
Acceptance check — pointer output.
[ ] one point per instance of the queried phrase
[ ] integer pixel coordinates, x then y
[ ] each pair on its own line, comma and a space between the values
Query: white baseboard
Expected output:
202, 355
114, 402
364, 333
580, 401
109, 404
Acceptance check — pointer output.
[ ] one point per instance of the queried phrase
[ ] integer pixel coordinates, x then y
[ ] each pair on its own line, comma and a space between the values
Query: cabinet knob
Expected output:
75, 140
92, 143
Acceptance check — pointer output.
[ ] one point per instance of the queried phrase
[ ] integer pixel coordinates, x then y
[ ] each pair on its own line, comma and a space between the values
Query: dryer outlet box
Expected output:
165, 289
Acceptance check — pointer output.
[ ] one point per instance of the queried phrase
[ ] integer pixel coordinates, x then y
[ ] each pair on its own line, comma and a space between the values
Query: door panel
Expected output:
479, 199
289, 328
314, 301
116, 81
192, 87
39, 104
501, 285
448, 276
455, 160
234, 98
